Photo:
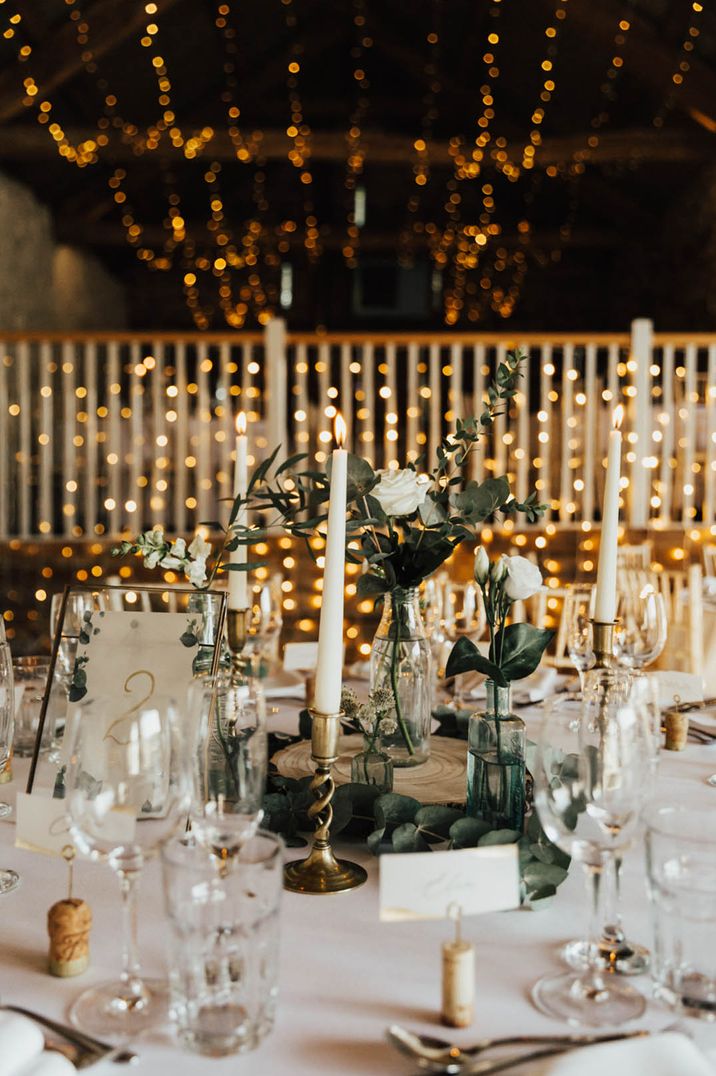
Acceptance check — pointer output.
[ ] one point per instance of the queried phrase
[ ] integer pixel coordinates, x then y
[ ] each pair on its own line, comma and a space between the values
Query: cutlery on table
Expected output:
95, 1049
446, 1057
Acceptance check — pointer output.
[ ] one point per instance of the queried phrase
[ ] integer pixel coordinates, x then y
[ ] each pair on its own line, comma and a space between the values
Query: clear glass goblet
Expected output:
127, 791
589, 791
464, 615
230, 762
641, 628
578, 611
9, 879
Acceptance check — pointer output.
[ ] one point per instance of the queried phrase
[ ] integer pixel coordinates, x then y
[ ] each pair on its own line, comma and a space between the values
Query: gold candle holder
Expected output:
603, 640
237, 630
321, 872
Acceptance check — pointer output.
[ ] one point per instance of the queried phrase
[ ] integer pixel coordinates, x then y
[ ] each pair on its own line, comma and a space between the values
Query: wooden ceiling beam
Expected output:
57, 58
26, 143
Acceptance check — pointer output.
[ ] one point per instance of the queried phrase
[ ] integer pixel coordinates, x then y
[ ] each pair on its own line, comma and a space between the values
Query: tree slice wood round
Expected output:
441, 779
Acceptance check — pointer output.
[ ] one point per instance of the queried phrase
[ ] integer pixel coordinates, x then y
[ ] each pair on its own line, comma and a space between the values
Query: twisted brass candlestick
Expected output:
237, 630
321, 872
603, 639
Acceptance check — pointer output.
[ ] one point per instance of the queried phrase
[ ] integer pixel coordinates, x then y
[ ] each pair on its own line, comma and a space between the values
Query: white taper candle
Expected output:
605, 604
238, 581
329, 666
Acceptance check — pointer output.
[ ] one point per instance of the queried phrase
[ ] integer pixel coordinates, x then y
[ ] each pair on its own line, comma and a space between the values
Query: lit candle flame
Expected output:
241, 423
617, 417
339, 429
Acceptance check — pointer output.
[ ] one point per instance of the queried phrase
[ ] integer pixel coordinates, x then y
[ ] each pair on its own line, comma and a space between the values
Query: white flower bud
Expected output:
482, 565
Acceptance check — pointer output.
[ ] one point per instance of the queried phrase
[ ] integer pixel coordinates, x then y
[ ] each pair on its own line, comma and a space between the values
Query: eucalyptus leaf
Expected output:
499, 836
393, 808
437, 819
466, 832
536, 875
408, 838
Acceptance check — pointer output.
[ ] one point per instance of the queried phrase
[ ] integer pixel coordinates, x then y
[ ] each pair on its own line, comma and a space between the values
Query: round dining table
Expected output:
344, 975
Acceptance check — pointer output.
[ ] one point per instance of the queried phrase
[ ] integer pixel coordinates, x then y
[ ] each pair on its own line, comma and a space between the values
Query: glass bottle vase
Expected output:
372, 767
496, 762
400, 664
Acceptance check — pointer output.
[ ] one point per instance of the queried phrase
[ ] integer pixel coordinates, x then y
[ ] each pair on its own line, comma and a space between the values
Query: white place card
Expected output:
422, 886
300, 657
682, 685
42, 824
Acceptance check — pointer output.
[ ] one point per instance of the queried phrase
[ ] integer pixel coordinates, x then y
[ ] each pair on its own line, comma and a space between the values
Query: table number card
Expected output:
419, 886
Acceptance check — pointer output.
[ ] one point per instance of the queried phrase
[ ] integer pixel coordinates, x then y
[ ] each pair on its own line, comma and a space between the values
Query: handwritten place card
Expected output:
42, 824
420, 886
300, 657
687, 686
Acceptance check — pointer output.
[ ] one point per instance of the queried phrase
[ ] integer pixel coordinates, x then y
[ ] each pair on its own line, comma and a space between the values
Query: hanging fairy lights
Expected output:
354, 137
682, 65
299, 131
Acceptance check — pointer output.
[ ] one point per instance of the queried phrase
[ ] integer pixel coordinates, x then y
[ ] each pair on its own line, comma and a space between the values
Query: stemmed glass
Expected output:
127, 788
265, 625
590, 785
578, 612
230, 760
432, 607
641, 629
8, 878
464, 615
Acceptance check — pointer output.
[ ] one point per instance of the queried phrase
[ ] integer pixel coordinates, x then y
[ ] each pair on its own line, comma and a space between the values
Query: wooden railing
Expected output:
104, 432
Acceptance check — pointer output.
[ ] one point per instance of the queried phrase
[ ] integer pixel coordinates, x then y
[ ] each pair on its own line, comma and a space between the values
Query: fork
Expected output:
95, 1049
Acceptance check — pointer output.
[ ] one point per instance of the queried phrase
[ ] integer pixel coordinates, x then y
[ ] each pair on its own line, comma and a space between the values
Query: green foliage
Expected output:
521, 647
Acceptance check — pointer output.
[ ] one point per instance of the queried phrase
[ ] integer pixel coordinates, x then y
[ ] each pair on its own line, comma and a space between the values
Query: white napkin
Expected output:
284, 685
669, 1054
21, 1040
49, 1063
538, 685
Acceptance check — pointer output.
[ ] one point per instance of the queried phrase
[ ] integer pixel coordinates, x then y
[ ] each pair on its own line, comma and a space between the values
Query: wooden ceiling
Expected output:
655, 137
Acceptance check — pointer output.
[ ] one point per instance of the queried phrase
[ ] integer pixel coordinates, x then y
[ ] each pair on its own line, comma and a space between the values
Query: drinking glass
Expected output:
223, 957
30, 673
127, 788
432, 607
230, 761
8, 879
681, 871
265, 625
464, 615
641, 628
79, 605
589, 790
579, 612
622, 954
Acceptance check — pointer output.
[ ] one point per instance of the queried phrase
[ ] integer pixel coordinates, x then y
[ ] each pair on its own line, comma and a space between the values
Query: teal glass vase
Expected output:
496, 762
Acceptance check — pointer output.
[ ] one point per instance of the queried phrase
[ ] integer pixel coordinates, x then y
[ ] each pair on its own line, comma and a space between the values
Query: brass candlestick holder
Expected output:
237, 631
603, 640
321, 872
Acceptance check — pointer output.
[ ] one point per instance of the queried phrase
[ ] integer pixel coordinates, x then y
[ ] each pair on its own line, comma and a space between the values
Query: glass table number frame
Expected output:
127, 600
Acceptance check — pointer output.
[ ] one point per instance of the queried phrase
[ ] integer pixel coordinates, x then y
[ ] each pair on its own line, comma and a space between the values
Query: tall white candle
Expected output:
605, 604
329, 666
238, 581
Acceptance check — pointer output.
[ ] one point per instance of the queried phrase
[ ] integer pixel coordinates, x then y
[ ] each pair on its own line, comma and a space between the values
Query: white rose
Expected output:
178, 548
482, 565
200, 548
523, 578
400, 493
196, 572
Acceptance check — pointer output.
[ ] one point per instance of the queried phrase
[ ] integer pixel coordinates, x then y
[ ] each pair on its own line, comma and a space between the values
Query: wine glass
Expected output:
641, 629
623, 955
80, 605
578, 612
432, 608
589, 790
127, 788
8, 879
265, 623
464, 615
230, 761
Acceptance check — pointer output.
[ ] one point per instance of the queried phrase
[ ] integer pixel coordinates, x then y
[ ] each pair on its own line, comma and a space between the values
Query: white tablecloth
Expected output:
344, 975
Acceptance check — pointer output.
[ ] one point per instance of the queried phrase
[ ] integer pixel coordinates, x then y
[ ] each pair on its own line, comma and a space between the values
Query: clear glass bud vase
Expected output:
496, 762
400, 664
372, 767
